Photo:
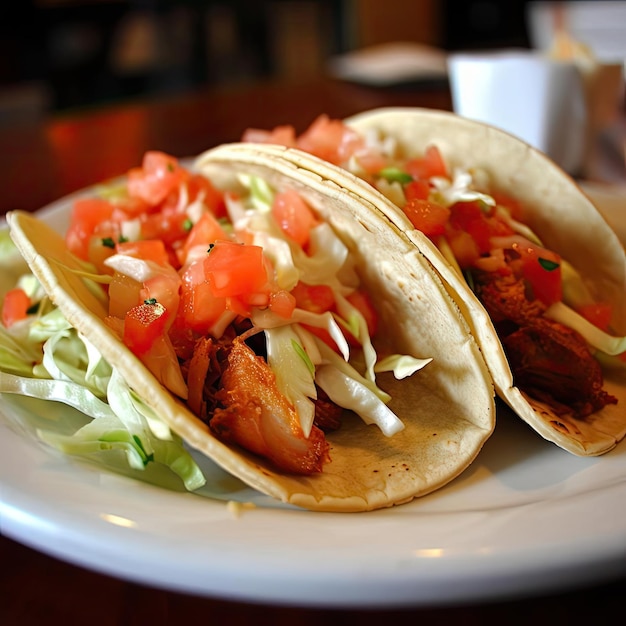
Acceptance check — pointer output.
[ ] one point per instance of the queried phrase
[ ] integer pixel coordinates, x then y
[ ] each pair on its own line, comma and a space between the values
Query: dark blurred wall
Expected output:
79, 52
88, 51
483, 24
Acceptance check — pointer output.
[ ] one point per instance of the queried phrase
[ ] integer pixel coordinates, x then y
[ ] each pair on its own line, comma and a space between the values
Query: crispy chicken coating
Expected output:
549, 361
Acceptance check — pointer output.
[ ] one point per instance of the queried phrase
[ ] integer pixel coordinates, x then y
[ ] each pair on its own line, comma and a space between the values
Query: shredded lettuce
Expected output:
350, 393
330, 357
294, 378
597, 338
44, 357
264, 318
392, 190
327, 256
402, 365
68, 356
261, 194
280, 253
69, 393
292, 350
459, 189
575, 292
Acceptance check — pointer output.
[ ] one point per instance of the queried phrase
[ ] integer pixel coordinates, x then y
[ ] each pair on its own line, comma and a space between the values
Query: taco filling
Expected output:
552, 328
267, 317
244, 305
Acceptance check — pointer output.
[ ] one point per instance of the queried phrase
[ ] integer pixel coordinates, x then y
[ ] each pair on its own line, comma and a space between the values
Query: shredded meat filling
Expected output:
235, 392
549, 361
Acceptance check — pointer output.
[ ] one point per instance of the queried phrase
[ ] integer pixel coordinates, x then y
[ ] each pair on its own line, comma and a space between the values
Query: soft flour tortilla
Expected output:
554, 207
448, 407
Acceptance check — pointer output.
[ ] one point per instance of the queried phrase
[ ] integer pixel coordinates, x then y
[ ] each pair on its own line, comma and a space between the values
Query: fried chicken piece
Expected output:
549, 361
255, 415
505, 298
327, 413
554, 362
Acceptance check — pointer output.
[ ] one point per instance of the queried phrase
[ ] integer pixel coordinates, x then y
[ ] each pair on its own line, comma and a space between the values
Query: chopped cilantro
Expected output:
395, 174
547, 264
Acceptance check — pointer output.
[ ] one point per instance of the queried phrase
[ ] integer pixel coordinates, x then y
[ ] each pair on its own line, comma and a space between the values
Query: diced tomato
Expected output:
546, 282
87, 215
281, 135
143, 324
146, 249
14, 306
165, 288
235, 269
212, 198
417, 190
479, 222
468, 217
132, 206
159, 175
331, 140
429, 217
498, 227
199, 309
598, 313
370, 160
314, 298
205, 231
509, 202
427, 166
541, 269
282, 303
293, 215
169, 226
102, 246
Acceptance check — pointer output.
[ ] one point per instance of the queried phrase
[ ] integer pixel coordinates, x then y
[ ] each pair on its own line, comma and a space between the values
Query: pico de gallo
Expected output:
242, 303
553, 331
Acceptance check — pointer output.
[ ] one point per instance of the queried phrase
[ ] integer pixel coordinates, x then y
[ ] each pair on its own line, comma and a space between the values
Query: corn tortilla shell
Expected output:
448, 407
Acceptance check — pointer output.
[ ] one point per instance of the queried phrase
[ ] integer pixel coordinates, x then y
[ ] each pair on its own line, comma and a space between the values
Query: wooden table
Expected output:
46, 159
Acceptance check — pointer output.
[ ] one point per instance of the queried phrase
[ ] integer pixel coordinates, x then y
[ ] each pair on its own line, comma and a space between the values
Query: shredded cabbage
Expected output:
402, 365
597, 338
292, 350
44, 357
459, 189
293, 373
350, 393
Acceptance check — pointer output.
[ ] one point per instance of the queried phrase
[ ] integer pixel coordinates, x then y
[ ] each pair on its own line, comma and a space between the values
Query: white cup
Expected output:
538, 99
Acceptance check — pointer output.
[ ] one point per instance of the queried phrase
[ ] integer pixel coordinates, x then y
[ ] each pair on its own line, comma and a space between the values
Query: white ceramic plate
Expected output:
525, 518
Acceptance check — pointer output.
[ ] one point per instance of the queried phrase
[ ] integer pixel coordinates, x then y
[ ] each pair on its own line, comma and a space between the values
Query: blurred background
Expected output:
57, 55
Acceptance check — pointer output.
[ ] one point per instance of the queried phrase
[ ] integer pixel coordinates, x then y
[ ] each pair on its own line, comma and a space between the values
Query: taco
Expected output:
299, 397
538, 272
